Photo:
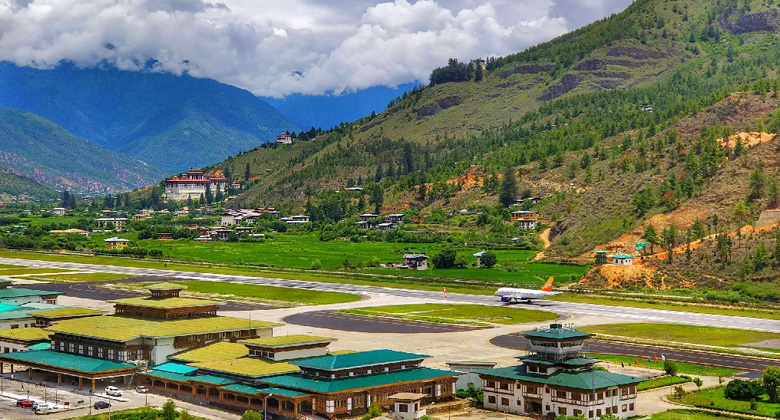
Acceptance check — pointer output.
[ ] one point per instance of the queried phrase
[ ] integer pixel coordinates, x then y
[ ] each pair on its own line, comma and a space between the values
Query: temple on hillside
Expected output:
191, 185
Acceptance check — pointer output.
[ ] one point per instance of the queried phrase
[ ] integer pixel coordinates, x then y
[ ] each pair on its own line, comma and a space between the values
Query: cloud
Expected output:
276, 48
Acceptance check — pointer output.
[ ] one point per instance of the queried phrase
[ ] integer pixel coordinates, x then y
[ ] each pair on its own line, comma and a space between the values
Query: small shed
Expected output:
622, 259
479, 255
164, 237
116, 243
406, 405
416, 261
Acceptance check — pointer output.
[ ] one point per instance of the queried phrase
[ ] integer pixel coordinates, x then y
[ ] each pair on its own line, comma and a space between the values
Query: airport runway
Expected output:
633, 314
753, 367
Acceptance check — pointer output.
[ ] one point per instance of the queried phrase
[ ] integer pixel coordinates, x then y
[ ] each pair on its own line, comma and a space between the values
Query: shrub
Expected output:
445, 258
738, 389
488, 259
753, 404
670, 368
316, 265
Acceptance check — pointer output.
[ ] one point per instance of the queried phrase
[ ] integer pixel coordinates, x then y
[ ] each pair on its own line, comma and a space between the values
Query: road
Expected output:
635, 314
753, 366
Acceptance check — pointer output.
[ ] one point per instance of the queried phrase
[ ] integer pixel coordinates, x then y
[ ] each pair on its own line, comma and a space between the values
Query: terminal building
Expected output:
556, 379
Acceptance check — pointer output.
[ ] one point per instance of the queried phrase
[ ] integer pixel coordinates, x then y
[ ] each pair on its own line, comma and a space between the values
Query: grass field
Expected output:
18, 271
598, 300
661, 382
80, 277
132, 414
442, 313
4, 266
687, 415
682, 368
714, 398
269, 293
721, 337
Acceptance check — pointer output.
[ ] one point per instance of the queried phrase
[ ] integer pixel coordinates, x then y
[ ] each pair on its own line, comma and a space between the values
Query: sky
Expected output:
280, 47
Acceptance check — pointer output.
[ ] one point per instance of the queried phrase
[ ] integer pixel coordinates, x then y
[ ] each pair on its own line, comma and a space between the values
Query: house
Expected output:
622, 259
147, 212
647, 108
416, 261
396, 218
363, 224
58, 211
192, 184
368, 217
221, 234
227, 219
164, 237
555, 379
203, 238
140, 217
284, 138
297, 220
116, 243
144, 331
21, 296
244, 230
385, 226
115, 223
70, 232
524, 219
407, 405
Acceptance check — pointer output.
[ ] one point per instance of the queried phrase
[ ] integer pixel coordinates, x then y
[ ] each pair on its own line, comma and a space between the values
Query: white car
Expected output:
113, 391
41, 408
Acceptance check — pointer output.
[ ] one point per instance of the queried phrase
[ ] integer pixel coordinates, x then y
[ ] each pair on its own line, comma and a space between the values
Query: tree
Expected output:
773, 193
644, 201
760, 257
377, 198
670, 368
757, 181
184, 415
488, 259
697, 230
698, 382
209, 196
445, 258
651, 235
247, 172
739, 389
169, 410
508, 193
771, 381
251, 415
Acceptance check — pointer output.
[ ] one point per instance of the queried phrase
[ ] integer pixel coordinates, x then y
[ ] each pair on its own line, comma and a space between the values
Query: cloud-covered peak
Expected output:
275, 48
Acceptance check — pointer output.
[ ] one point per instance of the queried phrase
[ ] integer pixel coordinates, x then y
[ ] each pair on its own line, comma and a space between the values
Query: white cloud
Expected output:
275, 48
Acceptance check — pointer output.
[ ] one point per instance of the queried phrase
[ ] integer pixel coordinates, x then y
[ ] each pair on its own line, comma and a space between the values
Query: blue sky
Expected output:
277, 48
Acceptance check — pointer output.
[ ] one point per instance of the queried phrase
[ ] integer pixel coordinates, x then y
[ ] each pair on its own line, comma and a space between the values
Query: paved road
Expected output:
635, 314
346, 322
752, 366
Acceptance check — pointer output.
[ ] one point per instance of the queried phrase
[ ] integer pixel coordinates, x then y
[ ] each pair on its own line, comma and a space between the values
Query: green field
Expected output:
268, 294
19, 271
661, 382
687, 415
668, 306
713, 398
132, 414
442, 313
710, 336
4, 266
682, 368
80, 277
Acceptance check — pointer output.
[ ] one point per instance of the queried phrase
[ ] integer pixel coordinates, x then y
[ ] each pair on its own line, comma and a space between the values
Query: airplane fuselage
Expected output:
509, 294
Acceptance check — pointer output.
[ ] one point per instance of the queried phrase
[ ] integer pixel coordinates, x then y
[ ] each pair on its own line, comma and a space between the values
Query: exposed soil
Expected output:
749, 140
617, 276
768, 20
568, 83
427, 110
591, 65
526, 69
636, 53
449, 102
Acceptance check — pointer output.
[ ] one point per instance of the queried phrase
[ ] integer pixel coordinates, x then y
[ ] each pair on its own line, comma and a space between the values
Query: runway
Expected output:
615, 312
753, 367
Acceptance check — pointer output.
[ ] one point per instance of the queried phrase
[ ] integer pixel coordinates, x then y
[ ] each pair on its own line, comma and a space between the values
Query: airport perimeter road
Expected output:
609, 312
753, 366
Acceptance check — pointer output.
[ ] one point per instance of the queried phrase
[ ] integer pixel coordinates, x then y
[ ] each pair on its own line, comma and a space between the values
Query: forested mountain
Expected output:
35, 148
170, 122
615, 122
17, 187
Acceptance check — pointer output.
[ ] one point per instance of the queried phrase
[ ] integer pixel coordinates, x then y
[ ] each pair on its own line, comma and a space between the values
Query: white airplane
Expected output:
509, 294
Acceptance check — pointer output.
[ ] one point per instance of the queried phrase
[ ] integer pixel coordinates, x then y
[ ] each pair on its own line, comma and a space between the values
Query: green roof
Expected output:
221, 350
165, 303
40, 346
175, 368
556, 332
65, 312
358, 359
251, 367
119, 328
5, 308
323, 385
210, 379
165, 286
29, 334
589, 380
168, 375
22, 292
284, 392
66, 361
623, 256
287, 340
246, 389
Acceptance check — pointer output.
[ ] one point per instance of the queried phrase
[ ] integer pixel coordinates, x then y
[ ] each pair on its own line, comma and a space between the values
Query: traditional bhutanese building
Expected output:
144, 331
191, 185
555, 379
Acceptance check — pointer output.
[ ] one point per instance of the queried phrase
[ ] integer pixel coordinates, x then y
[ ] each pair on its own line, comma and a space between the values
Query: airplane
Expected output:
509, 294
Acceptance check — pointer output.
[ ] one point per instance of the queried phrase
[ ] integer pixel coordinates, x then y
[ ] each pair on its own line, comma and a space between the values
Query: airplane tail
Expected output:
548, 285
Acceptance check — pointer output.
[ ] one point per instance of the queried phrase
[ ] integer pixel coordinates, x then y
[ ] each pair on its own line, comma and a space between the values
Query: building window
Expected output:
81, 349
121, 355
624, 408
562, 411
89, 350
100, 352
577, 412
504, 401
491, 399
631, 406
62, 346
71, 347
403, 408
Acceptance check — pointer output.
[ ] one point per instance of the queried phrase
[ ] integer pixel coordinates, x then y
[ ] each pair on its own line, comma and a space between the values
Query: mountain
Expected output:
664, 115
18, 187
329, 110
170, 122
33, 148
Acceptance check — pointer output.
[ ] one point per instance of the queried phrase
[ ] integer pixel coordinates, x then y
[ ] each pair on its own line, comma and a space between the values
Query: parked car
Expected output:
101, 404
42, 408
27, 403
141, 389
113, 391
19, 402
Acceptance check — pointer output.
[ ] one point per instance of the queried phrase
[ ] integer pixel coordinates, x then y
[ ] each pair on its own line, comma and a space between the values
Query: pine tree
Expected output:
247, 172
209, 195
508, 193
377, 198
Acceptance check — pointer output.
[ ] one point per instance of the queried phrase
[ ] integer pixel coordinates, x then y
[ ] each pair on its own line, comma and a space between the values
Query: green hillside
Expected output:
45, 152
16, 187
567, 117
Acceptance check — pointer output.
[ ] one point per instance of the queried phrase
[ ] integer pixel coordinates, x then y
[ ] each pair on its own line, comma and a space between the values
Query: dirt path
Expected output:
545, 237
